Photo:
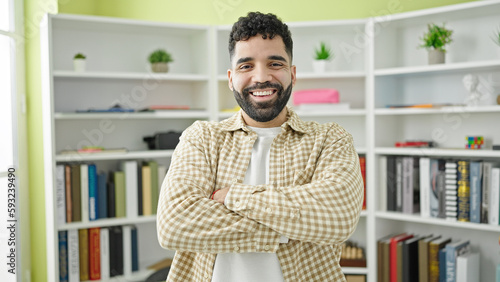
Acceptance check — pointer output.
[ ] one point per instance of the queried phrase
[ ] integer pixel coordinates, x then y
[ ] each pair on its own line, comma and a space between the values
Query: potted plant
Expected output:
159, 60
321, 56
79, 62
435, 40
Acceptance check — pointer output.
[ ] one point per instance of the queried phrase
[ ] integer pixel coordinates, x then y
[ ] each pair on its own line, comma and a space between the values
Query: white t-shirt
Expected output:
251, 267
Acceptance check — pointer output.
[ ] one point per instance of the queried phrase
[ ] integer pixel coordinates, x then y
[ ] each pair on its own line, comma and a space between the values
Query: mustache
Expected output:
263, 85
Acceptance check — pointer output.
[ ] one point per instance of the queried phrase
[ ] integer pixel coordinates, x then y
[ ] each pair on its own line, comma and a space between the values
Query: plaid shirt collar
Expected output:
293, 122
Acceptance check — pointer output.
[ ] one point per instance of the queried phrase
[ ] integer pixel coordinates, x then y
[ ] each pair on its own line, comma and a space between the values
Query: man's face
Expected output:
261, 77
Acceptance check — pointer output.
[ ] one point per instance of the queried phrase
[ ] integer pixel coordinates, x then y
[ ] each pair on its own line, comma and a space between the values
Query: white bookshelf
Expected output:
385, 69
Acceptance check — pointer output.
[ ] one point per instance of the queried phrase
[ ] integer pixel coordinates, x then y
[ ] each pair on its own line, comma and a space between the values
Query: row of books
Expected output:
98, 253
430, 258
455, 189
84, 194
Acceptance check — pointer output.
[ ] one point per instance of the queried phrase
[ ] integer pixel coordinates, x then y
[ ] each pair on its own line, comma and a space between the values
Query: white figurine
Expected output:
480, 92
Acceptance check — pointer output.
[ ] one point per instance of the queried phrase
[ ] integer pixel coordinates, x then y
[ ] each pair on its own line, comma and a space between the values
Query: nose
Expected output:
261, 74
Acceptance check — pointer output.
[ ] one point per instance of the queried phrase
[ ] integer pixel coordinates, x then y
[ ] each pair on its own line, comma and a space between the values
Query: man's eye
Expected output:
244, 67
276, 64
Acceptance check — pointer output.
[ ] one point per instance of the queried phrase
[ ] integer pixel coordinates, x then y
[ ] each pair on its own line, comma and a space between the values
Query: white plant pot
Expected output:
319, 66
159, 67
436, 56
79, 65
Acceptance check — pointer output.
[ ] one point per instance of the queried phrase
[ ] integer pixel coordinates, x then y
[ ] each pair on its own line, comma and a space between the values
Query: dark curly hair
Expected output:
267, 25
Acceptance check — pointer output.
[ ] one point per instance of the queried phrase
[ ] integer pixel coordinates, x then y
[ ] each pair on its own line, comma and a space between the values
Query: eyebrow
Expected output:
272, 57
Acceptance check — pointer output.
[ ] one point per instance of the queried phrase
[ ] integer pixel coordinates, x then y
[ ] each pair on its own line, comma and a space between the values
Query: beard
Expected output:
263, 111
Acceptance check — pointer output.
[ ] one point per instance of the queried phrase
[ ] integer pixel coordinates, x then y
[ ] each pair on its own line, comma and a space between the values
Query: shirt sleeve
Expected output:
187, 219
321, 206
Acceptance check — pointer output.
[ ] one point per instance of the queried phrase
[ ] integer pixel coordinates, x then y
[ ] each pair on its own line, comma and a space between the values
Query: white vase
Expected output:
319, 66
159, 67
436, 56
79, 65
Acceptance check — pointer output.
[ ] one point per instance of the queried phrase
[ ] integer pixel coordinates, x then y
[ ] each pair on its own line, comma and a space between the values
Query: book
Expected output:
407, 185
73, 256
399, 184
485, 200
442, 265
154, 186
382, 172
60, 194
468, 267
120, 196
423, 257
453, 250
433, 182
393, 256
451, 185
391, 183
63, 255
115, 251
102, 195
410, 268
463, 192
140, 208
476, 173
76, 194
434, 247
69, 196
486, 187
425, 186
494, 195
83, 244
111, 196
383, 258
127, 250
135, 249
93, 192
146, 191
94, 253
84, 190
104, 244
130, 170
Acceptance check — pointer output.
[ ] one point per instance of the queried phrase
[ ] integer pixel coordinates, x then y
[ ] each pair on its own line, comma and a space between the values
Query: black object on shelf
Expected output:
163, 140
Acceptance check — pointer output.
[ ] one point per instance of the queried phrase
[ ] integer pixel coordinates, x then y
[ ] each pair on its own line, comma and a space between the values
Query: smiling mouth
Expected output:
262, 93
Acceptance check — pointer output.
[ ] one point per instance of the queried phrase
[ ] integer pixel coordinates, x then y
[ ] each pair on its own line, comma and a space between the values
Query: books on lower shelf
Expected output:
84, 193
454, 189
444, 259
98, 253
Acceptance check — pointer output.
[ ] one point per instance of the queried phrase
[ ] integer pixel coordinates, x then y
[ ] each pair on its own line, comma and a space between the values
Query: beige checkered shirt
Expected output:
314, 198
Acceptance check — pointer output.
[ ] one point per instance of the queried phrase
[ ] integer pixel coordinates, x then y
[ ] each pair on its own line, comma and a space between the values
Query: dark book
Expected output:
63, 256
391, 183
83, 244
111, 196
69, 197
76, 194
115, 251
135, 249
102, 198
93, 193
416, 185
441, 188
399, 184
442, 265
410, 260
463, 180
139, 188
395, 260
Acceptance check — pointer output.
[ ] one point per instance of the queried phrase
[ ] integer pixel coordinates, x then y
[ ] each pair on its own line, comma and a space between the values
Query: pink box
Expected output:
316, 96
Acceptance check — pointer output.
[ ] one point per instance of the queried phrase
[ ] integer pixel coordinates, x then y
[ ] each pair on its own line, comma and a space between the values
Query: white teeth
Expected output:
262, 93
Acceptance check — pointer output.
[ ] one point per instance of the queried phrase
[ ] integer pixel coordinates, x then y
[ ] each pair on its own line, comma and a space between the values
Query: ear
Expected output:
294, 74
230, 78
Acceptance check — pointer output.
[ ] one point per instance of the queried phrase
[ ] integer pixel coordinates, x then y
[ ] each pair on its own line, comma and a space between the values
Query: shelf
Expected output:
436, 221
438, 152
107, 222
355, 270
132, 75
442, 110
167, 114
115, 156
440, 69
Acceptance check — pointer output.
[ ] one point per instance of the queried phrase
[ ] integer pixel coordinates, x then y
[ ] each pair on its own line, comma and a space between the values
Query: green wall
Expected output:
216, 12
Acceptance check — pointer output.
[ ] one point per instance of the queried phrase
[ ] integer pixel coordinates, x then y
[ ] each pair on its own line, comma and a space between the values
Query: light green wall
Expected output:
217, 12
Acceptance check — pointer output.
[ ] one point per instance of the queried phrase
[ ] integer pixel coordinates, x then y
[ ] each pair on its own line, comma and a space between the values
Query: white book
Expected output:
73, 256
485, 201
131, 188
425, 187
60, 194
494, 196
382, 195
468, 267
104, 244
127, 250
84, 189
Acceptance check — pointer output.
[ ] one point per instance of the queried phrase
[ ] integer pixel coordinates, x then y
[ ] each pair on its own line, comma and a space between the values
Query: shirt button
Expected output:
207, 276
267, 248
237, 203
235, 180
236, 248
269, 210
292, 215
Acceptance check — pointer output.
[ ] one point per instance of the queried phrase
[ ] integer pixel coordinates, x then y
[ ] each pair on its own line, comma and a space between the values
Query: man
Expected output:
263, 195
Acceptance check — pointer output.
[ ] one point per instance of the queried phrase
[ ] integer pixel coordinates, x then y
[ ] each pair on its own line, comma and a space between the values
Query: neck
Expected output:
276, 122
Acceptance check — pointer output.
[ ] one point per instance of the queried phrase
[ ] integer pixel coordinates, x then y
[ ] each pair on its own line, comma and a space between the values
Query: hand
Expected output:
220, 195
